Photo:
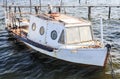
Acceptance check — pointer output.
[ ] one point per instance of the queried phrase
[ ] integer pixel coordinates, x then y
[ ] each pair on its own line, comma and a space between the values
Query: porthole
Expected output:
53, 34
33, 26
42, 30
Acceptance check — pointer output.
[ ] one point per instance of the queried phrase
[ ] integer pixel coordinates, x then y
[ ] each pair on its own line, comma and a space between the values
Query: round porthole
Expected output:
33, 26
41, 30
53, 34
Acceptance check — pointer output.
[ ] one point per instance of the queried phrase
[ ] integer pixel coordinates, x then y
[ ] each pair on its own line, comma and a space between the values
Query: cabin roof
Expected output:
67, 20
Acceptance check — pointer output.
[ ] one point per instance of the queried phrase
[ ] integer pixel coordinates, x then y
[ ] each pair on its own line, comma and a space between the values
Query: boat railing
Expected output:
87, 44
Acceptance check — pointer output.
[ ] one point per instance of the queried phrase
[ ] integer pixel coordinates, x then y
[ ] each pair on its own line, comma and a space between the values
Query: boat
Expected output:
58, 35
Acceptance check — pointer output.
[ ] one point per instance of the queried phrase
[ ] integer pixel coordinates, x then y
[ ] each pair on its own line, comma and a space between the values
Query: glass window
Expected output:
33, 26
72, 35
61, 39
78, 34
42, 30
85, 33
54, 35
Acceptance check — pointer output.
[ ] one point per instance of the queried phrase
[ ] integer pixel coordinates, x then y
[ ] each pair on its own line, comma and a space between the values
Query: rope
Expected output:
111, 67
110, 61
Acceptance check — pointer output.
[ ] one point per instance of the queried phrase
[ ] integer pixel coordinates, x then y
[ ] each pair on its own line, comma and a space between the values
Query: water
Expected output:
17, 61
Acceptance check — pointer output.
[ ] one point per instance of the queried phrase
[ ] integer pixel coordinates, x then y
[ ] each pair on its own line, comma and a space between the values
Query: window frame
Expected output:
42, 30
91, 31
52, 35
61, 39
33, 26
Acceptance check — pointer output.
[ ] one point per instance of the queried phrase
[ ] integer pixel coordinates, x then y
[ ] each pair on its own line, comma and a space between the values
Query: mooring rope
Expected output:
111, 67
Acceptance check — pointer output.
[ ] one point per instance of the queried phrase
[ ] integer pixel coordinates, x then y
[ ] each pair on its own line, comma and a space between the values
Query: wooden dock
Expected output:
38, 7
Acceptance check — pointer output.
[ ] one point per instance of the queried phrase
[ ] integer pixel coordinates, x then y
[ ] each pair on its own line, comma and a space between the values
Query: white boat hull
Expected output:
93, 56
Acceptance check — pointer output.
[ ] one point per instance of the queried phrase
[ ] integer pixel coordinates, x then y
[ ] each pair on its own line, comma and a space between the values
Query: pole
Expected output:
20, 11
89, 12
60, 6
60, 2
86, 2
6, 5
40, 4
79, 1
109, 13
3, 2
101, 23
30, 7
6, 15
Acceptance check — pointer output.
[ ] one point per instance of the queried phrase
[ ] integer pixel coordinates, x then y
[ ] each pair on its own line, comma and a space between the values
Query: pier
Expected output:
38, 7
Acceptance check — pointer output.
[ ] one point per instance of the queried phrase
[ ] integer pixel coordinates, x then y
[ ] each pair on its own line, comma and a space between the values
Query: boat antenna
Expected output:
101, 28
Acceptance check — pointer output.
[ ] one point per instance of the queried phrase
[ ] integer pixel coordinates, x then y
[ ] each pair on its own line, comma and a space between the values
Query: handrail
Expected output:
62, 6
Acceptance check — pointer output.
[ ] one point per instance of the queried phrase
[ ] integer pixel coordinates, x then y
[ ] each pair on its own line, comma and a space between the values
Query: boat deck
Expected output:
64, 19
20, 31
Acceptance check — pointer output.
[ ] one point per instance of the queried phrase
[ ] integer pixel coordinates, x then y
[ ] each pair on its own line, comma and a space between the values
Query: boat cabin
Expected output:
58, 29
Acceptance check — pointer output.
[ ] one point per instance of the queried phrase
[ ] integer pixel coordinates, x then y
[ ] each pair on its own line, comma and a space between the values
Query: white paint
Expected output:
35, 35
49, 26
73, 52
91, 56
101, 23
22, 24
58, 28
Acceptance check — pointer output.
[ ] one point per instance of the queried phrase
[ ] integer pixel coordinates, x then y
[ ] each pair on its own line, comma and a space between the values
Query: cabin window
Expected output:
54, 35
41, 30
78, 34
72, 35
33, 26
85, 34
61, 39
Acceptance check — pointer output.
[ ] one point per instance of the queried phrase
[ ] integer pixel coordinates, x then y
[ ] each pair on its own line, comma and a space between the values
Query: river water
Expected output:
17, 61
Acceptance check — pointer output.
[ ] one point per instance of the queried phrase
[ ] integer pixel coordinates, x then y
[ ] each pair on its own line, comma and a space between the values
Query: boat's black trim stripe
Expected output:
50, 49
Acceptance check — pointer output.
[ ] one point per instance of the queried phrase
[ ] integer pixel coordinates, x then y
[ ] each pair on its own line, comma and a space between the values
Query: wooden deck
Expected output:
20, 32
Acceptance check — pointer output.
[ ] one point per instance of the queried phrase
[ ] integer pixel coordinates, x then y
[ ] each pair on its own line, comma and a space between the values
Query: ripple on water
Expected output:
20, 62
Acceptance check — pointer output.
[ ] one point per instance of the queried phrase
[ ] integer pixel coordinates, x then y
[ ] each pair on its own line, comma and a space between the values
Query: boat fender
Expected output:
108, 47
